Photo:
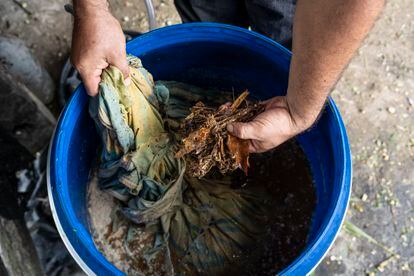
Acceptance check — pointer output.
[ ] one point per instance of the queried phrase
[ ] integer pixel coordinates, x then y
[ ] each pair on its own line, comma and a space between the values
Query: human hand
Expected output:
271, 128
97, 42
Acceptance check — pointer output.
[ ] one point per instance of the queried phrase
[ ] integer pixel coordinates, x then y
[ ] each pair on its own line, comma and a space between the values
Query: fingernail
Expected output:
127, 81
230, 128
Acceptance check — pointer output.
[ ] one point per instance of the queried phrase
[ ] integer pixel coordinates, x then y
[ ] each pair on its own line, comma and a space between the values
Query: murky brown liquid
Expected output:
287, 176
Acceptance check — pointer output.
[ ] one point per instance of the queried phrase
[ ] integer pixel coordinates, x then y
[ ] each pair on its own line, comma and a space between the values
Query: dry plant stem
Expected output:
207, 143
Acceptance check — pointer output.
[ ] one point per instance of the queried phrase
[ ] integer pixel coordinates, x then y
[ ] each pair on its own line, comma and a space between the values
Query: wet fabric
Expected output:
204, 225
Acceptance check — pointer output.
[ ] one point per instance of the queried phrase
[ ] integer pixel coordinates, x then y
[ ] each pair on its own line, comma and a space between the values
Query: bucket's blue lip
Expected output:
325, 239
53, 206
206, 25
58, 208
302, 265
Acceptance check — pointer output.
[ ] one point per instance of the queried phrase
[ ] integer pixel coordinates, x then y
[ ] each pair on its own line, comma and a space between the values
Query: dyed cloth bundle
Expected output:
202, 226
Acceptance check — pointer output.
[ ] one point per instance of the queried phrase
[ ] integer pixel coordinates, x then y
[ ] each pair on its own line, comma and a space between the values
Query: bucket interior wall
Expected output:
208, 62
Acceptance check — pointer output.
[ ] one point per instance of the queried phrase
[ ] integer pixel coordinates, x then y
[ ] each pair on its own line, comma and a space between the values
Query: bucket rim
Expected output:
55, 215
331, 229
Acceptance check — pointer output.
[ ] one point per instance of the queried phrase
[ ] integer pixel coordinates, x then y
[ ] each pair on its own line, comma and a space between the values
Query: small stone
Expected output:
391, 109
358, 207
410, 101
405, 267
125, 19
27, 21
24, 5
364, 197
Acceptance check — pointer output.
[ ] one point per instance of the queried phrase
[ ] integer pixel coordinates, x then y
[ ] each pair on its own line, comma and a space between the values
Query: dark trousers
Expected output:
272, 18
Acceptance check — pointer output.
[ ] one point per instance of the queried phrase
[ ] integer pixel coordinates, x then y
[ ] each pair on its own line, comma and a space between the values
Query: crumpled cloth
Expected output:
204, 225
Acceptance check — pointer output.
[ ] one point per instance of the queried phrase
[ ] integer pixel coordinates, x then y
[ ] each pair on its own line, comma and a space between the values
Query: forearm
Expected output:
326, 33
90, 6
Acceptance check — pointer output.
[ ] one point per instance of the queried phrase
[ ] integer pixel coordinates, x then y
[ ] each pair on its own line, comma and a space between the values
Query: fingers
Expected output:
252, 132
92, 77
121, 63
244, 130
91, 81
269, 129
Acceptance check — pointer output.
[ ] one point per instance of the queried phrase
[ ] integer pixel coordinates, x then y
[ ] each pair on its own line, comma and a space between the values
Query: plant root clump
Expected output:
207, 143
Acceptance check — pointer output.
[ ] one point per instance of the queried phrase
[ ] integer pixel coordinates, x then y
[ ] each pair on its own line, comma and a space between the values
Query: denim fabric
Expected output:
271, 18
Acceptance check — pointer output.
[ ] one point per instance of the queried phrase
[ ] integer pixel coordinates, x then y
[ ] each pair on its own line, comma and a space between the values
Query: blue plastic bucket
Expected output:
204, 54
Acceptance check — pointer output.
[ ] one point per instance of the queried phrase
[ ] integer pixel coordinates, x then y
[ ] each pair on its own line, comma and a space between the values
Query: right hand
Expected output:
97, 42
275, 125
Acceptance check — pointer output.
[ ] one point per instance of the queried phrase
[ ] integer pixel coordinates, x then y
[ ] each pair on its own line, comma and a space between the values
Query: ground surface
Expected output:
375, 96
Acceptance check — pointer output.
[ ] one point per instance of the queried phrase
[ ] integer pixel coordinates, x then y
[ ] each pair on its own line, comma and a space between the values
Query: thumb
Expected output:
122, 65
243, 130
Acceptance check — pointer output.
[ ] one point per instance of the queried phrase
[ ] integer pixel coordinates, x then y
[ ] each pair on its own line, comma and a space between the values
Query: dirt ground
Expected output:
376, 99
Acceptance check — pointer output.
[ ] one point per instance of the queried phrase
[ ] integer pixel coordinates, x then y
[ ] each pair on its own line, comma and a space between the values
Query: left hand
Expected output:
98, 41
271, 128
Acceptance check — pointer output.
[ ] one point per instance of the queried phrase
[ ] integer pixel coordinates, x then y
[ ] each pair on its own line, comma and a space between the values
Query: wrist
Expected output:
303, 114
